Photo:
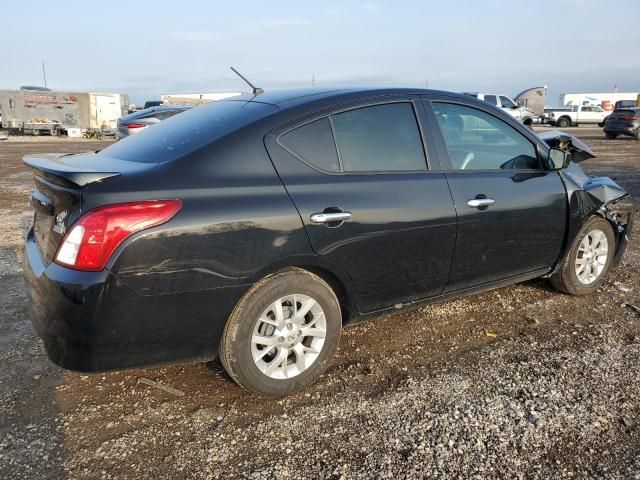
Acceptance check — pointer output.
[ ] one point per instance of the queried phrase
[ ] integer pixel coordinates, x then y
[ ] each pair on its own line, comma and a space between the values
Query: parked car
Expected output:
623, 122
258, 226
524, 114
578, 115
625, 104
137, 121
152, 103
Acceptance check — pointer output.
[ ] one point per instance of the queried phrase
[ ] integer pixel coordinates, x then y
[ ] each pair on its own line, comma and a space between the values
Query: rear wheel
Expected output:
611, 136
283, 333
564, 122
588, 261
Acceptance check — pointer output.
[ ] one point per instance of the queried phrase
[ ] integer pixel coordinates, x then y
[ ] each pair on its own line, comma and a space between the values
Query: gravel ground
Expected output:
520, 382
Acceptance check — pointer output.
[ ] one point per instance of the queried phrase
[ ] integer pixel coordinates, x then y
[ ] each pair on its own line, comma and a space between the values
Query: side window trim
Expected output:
372, 103
335, 143
441, 147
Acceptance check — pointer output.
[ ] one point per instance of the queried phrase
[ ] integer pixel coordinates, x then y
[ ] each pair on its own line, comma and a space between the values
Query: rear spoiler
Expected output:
52, 167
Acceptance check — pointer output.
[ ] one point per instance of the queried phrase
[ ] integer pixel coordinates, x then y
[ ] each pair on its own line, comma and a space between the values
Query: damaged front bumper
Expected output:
621, 215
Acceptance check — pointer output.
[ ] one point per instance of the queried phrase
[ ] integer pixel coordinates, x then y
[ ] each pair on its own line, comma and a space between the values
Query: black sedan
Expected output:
255, 228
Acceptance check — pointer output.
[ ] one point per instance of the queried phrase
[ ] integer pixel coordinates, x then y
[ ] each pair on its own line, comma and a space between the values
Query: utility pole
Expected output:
44, 74
313, 80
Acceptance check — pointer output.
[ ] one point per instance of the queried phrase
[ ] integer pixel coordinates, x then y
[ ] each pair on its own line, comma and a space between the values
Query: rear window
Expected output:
187, 132
492, 99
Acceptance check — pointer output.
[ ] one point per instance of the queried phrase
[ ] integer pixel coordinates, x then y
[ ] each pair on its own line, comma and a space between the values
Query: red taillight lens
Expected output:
96, 235
627, 118
135, 125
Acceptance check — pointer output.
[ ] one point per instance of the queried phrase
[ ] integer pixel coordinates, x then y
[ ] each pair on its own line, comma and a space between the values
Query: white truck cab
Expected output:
524, 114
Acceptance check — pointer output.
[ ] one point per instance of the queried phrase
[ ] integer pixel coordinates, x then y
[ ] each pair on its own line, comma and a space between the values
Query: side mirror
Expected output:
558, 159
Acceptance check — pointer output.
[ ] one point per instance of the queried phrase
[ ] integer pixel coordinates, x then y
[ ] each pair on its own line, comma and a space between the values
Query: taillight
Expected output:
135, 125
96, 235
627, 118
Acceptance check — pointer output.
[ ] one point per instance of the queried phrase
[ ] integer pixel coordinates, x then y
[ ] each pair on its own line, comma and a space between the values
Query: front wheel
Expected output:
564, 123
282, 334
585, 266
637, 134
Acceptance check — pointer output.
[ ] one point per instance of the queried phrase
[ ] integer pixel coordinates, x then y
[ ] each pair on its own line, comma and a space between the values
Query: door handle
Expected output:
480, 202
330, 217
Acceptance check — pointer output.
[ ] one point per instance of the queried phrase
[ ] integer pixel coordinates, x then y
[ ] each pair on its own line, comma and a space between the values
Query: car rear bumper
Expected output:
91, 321
623, 129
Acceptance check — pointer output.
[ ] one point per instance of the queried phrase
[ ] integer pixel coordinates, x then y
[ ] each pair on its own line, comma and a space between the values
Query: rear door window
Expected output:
379, 138
314, 144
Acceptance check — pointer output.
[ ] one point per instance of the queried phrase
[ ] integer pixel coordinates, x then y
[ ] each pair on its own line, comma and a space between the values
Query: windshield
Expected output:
187, 132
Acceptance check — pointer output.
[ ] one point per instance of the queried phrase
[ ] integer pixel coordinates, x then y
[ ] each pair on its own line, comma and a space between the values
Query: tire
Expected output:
35, 132
260, 368
637, 134
601, 124
564, 122
566, 279
611, 136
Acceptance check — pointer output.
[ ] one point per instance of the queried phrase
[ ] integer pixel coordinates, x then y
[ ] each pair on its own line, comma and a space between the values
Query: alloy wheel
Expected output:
591, 257
288, 337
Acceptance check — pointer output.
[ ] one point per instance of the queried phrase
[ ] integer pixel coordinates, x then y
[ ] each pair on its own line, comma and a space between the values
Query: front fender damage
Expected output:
598, 196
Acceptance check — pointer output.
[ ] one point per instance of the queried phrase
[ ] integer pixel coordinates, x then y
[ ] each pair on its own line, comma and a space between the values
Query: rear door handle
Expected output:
330, 217
480, 202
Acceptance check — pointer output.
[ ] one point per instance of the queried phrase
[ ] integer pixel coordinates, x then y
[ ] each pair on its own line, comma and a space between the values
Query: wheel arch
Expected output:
565, 117
335, 276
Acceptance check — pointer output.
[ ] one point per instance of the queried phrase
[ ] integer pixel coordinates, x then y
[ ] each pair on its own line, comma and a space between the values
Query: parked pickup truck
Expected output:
524, 114
577, 115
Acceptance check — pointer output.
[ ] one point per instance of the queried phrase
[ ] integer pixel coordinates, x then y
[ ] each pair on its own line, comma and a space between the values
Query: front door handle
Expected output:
480, 202
329, 217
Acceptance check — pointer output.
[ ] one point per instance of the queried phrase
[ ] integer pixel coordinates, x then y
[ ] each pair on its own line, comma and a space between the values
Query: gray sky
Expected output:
145, 48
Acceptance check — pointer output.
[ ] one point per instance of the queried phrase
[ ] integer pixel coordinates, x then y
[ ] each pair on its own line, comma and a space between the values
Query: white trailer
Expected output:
606, 100
35, 112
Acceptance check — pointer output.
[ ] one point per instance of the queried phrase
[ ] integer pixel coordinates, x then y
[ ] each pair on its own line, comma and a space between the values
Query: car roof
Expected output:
298, 96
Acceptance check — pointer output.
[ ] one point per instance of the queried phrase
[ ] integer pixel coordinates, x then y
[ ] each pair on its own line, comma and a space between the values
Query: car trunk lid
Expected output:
59, 183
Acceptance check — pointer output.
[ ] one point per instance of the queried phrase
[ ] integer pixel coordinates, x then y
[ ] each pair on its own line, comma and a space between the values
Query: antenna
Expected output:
256, 90
44, 74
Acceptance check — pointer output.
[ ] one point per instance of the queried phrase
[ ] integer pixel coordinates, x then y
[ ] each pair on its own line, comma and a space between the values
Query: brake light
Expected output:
627, 118
96, 235
135, 125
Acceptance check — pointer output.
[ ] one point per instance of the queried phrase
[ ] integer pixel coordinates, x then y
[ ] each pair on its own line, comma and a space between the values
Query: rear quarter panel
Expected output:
236, 220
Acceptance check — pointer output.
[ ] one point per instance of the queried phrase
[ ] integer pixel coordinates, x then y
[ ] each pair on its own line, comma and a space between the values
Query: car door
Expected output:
586, 114
359, 177
511, 212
